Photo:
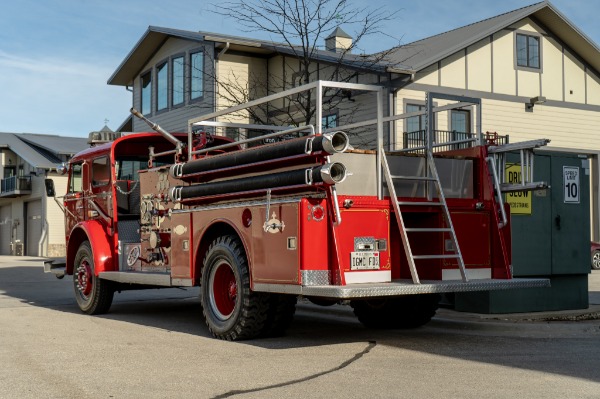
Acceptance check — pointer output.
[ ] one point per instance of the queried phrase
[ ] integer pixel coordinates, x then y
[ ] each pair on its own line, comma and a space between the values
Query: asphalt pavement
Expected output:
153, 344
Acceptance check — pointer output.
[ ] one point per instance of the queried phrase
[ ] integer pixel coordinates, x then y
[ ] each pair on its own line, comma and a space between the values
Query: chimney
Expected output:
338, 41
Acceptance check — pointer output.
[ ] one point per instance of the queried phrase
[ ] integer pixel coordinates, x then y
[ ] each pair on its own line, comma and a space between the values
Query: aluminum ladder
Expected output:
431, 177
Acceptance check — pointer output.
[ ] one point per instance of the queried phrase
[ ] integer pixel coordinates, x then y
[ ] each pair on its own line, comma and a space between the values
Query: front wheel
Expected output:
231, 310
596, 260
93, 295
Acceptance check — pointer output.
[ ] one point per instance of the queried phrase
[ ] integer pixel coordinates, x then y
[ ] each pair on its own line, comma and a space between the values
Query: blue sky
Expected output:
56, 55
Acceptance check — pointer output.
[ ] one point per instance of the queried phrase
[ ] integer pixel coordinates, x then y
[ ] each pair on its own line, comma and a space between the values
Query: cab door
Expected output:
74, 202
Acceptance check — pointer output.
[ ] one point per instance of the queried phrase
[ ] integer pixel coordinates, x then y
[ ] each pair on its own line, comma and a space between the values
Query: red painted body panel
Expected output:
368, 217
101, 243
314, 236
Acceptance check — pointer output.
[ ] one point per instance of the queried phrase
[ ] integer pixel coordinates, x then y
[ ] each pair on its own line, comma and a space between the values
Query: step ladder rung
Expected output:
425, 203
433, 177
427, 229
424, 178
449, 256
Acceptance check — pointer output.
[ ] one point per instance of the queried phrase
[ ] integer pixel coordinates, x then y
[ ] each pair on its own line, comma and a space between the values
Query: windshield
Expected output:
128, 168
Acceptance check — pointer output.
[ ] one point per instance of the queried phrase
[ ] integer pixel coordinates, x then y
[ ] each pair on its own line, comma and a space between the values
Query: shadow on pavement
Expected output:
535, 346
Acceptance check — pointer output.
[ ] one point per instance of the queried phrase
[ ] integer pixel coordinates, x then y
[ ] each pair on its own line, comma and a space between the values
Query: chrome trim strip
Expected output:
245, 204
162, 279
402, 287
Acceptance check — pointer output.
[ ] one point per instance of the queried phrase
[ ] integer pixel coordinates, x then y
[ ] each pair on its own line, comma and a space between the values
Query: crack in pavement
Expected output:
345, 364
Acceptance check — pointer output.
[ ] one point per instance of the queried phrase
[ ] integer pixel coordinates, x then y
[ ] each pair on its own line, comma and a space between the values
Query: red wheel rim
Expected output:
223, 290
84, 278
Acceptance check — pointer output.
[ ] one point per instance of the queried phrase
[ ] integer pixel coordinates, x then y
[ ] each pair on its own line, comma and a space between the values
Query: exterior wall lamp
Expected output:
533, 101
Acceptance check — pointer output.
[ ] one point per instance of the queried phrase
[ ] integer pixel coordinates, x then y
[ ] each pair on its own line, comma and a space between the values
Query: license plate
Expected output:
364, 260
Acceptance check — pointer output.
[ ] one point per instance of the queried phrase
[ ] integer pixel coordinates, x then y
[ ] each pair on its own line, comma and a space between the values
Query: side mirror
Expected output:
49, 183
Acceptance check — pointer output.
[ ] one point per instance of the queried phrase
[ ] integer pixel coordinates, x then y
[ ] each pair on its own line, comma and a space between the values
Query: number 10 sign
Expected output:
571, 184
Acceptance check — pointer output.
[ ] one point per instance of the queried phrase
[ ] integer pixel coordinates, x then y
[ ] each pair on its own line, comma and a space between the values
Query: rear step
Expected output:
56, 266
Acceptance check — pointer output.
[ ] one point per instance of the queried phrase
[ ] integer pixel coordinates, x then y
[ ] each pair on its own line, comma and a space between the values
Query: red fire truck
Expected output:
257, 223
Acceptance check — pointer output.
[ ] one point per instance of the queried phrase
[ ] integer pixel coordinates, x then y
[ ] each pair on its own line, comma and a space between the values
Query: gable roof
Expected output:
41, 150
156, 36
422, 53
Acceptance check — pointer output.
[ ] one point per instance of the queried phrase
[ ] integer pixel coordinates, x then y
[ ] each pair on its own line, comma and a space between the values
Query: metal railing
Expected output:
443, 140
15, 183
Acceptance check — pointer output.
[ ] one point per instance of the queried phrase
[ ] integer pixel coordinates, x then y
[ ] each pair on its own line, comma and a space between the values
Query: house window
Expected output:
146, 93
460, 121
329, 121
10, 171
528, 51
196, 75
177, 81
162, 74
233, 133
415, 123
460, 125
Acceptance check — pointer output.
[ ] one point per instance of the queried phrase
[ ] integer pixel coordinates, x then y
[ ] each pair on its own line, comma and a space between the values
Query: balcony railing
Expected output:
446, 140
15, 186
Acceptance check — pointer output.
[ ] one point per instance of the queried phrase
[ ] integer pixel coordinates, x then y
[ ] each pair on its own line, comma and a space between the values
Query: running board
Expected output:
402, 287
145, 278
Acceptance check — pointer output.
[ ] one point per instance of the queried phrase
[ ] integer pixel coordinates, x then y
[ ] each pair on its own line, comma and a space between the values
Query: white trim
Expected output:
376, 276
472, 274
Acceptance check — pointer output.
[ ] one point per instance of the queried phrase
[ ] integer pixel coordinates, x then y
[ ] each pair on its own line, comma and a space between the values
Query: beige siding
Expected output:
593, 83
528, 83
54, 215
526, 25
574, 79
452, 71
241, 79
429, 75
552, 76
504, 70
479, 65
567, 128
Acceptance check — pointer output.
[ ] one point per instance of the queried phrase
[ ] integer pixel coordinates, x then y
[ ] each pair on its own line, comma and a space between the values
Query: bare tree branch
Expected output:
298, 28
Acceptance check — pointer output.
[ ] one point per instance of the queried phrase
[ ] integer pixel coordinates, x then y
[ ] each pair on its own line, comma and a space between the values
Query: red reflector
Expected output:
247, 217
318, 213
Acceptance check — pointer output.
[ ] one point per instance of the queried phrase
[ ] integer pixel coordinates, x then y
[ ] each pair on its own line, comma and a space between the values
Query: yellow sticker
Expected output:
519, 201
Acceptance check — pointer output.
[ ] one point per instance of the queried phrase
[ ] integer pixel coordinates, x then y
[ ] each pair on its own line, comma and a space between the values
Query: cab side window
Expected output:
75, 180
100, 172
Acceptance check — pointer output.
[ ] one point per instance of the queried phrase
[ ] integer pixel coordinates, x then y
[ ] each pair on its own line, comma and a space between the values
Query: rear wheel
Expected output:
93, 295
231, 310
596, 260
408, 311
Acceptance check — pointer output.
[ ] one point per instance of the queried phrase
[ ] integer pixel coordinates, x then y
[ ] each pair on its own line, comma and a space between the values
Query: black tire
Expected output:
322, 301
596, 260
408, 311
231, 310
93, 295
280, 314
